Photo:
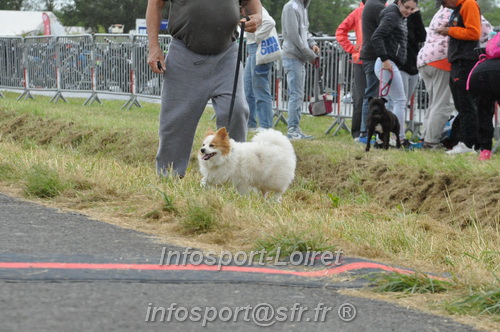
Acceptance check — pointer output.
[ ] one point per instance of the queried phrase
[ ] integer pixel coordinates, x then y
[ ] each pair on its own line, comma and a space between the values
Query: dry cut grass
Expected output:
423, 210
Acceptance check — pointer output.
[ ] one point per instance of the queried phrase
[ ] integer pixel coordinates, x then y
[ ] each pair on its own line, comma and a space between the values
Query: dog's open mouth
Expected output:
208, 156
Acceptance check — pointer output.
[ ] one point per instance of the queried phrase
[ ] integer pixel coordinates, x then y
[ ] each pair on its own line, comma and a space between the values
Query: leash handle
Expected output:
237, 72
318, 87
383, 90
317, 62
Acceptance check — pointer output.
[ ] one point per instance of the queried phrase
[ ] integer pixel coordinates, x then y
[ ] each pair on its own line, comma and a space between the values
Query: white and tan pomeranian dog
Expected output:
266, 163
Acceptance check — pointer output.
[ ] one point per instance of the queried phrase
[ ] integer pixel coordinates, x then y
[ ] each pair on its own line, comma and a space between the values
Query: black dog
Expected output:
383, 122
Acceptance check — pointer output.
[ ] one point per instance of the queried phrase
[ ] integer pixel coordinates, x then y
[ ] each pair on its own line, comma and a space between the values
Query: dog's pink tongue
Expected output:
207, 156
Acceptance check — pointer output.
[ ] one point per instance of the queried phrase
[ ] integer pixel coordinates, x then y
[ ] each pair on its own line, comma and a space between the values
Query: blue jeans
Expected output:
295, 72
372, 84
258, 91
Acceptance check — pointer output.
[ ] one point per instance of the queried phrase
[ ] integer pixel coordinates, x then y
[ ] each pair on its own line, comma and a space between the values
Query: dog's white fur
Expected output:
266, 163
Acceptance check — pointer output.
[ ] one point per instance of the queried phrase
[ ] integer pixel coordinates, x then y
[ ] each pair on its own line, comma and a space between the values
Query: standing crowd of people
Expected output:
391, 51
397, 50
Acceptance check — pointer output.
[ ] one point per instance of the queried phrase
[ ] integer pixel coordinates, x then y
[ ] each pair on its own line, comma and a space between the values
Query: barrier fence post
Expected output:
342, 78
26, 93
132, 74
58, 94
93, 94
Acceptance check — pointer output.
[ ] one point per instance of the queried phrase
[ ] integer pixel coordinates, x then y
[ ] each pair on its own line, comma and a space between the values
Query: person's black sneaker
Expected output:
405, 144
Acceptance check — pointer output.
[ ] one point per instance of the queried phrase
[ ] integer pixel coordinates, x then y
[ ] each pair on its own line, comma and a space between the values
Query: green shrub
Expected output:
43, 183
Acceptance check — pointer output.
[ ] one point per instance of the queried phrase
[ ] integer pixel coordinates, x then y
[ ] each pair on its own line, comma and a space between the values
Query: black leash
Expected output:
235, 84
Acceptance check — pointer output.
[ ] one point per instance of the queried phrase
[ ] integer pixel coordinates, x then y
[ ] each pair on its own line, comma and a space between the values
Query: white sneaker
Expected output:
461, 148
304, 136
296, 133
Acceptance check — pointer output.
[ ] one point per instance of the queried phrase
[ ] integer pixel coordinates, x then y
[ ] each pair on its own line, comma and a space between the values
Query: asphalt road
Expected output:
93, 276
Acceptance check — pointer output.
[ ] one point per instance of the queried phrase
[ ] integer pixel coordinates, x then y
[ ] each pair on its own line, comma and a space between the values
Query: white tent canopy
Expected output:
23, 23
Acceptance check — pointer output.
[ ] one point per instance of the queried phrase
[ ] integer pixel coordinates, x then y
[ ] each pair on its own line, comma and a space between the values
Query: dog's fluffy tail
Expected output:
273, 137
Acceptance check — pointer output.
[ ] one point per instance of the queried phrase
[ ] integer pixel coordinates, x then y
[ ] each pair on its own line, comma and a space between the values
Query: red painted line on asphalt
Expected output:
190, 267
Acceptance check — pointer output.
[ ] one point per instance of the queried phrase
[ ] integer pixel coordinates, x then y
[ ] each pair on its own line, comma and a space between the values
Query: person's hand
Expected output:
156, 61
315, 49
387, 65
252, 24
443, 31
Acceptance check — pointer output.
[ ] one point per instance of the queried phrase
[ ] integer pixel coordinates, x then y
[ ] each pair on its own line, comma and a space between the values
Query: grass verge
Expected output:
419, 209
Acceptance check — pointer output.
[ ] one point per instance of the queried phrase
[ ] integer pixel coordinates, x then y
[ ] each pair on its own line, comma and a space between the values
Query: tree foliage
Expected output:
102, 13
50, 5
489, 9
11, 4
493, 17
324, 15
46, 5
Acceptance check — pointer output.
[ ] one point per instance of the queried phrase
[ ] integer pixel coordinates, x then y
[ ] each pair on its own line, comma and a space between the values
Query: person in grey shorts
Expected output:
200, 66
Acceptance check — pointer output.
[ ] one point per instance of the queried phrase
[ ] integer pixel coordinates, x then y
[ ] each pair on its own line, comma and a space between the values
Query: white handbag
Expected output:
269, 49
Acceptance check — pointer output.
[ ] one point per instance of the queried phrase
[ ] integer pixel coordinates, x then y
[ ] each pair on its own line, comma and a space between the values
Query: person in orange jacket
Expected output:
353, 23
464, 30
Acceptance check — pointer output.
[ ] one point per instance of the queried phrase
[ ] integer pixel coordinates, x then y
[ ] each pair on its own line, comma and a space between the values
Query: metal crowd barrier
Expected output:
75, 64
114, 66
11, 69
117, 64
38, 64
337, 70
147, 82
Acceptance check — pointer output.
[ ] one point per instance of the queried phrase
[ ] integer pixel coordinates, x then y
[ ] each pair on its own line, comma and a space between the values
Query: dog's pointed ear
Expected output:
370, 98
222, 133
209, 132
385, 100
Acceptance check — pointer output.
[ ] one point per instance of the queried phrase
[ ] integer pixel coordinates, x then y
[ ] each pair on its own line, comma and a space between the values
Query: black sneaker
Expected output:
405, 143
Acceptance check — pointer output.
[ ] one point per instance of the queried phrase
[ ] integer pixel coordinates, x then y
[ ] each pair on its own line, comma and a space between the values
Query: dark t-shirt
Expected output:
370, 20
204, 26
